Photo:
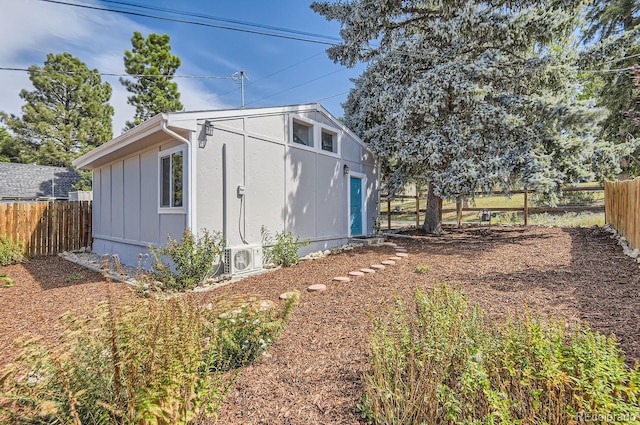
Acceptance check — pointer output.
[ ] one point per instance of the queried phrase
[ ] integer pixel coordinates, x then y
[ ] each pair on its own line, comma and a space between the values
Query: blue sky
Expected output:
280, 71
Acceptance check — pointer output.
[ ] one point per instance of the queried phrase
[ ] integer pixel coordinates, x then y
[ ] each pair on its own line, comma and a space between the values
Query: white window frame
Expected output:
317, 129
163, 154
307, 123
337, 139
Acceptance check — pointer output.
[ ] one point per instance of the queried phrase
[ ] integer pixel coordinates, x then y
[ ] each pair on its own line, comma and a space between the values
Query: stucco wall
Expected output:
286, 188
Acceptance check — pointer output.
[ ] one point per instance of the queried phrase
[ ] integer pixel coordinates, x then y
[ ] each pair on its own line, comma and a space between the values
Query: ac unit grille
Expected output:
242, 259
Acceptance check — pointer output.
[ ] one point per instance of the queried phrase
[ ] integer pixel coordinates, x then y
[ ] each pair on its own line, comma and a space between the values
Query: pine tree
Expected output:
612, 33
8, 148
467, 96
67, 114
152, 66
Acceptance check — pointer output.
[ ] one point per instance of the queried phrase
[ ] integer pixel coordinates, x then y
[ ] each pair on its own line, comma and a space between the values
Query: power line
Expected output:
184, 21
217, 18
112, 74
330, 97
298, 85
275, 72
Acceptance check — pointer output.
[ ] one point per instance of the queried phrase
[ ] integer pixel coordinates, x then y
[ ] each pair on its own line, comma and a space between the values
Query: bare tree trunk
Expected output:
433, 216
459, 211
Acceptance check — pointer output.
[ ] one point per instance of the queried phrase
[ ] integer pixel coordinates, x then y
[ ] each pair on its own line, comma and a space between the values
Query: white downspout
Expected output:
190, 166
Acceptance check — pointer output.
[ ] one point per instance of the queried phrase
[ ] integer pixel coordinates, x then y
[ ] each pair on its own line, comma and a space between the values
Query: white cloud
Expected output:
32, 28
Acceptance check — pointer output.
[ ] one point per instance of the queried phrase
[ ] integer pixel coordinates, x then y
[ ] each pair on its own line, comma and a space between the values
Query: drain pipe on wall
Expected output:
190, 165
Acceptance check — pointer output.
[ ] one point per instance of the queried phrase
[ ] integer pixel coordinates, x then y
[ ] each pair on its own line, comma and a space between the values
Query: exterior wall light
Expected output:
345, 169
208, 128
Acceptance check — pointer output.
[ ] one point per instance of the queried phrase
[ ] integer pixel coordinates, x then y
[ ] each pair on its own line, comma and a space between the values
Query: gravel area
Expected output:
312, 374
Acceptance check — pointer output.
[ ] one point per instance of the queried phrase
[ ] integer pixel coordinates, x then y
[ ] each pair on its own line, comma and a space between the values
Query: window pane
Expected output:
327, 142
165, 172
302, 134
176, 169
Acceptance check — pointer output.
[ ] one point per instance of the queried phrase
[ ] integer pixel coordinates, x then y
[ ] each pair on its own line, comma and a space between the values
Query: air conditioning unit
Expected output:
242, 259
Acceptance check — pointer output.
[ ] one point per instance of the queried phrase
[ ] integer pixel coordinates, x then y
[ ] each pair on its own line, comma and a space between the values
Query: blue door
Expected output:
355, 215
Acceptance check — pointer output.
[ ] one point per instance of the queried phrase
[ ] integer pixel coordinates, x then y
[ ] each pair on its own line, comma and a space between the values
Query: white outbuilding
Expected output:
291, 168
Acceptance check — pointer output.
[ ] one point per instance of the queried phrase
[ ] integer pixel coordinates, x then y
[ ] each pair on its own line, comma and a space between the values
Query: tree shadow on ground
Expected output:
591, 280
50, 273
468, 242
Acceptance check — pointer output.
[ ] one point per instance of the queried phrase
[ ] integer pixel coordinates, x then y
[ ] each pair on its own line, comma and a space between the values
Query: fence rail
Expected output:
622, 208
526, 209
47, 228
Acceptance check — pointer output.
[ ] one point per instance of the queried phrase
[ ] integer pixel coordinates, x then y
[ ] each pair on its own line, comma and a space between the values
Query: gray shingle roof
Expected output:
27, 180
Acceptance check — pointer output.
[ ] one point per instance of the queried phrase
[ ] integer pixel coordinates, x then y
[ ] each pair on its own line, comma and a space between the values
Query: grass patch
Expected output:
438, 360
563, 219
569, 219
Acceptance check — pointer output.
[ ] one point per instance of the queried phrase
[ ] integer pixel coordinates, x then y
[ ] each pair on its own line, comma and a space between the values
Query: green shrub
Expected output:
422, 268
10, 252
446, 363
283, 249
140, 361
245, 326
137, 362
194, 259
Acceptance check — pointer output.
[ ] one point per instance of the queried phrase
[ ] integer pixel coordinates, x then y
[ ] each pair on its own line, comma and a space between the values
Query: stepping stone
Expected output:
287, 295
367, 270
378, 267
356, 274
388, 262
395, 258
341, 279
318, 287
402, 254
389, 244
400, 249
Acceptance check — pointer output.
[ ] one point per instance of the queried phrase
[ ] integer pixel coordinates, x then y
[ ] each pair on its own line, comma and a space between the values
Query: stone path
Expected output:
401, 253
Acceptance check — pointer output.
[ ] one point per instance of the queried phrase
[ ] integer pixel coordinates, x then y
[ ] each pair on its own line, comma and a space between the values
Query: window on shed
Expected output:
171, 167
303, 134
329, 142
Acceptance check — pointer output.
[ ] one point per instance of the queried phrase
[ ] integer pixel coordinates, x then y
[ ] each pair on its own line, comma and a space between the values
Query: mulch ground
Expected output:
313, 373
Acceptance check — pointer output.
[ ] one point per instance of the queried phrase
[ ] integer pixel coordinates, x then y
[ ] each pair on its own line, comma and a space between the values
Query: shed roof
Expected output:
34, 181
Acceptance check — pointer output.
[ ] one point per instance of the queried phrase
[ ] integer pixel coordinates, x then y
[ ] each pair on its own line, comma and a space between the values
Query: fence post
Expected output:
417, 209
388, 214
526, 207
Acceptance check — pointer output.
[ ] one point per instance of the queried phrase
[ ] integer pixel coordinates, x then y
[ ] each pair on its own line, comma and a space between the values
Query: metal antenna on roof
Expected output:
240, 75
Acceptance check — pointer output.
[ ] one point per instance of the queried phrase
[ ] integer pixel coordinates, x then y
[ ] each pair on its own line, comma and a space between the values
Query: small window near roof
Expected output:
302, 134
329, 142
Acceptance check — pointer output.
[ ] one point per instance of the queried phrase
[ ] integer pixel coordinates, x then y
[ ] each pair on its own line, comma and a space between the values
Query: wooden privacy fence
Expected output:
47, 228
622, 208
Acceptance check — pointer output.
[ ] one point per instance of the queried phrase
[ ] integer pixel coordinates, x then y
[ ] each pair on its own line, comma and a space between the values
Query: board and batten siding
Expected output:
125, 214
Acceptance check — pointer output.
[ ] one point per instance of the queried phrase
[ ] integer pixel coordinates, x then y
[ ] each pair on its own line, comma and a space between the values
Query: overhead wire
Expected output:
184, 21
297, 85
113, 74
295, 35
298, 35
217, 18
274, 73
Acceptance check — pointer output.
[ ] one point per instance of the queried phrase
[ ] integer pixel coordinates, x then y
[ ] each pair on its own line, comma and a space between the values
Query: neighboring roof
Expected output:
33, 181
162, 125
